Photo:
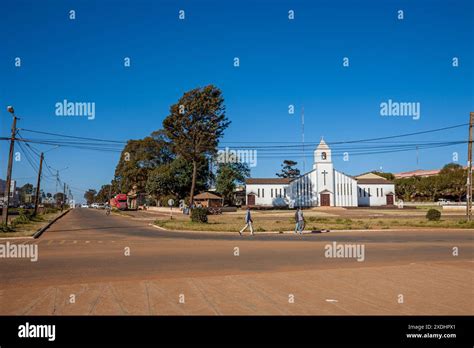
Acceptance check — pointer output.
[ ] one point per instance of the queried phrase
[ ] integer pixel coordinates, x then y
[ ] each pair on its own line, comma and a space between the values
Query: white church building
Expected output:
322, 186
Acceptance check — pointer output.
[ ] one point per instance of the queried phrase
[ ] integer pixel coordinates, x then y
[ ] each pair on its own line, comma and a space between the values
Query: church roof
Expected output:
371, 178
251, 181
369, 175
322, 145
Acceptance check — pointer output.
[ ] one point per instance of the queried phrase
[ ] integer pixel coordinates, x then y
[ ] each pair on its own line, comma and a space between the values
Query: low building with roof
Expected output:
208, 200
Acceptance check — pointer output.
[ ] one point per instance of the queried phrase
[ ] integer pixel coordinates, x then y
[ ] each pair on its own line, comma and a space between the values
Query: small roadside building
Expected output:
208, 200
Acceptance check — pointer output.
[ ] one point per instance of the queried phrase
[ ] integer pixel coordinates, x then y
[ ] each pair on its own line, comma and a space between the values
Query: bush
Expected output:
20, 220
50, 210
433, 215
5, 228
199, 215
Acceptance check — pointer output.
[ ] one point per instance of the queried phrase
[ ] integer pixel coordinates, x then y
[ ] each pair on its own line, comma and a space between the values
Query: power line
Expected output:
73, 137
27, 156
223, 142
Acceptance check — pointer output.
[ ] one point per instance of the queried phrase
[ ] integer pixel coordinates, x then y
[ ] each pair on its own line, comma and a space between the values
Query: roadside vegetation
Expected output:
284, 221
26, 224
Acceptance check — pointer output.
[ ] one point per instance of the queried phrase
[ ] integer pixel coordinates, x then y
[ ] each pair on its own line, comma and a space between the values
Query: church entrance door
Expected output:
389, 199
325, 200
250, 199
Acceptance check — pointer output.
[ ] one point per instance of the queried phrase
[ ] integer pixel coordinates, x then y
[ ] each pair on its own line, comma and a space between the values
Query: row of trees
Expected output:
450, 183
179, 159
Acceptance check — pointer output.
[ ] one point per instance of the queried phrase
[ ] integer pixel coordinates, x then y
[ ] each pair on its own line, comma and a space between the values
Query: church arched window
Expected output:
323, 156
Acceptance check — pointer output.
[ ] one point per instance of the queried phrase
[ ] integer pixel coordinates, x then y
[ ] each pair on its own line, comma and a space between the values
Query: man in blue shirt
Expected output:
248, 222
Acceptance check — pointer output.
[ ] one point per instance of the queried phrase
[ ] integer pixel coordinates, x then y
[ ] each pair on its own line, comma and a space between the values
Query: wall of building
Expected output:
345, 190
302, 191
369, 196
269, 194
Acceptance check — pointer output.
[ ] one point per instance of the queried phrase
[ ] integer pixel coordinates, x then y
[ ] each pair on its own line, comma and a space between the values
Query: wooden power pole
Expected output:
6, 201
38, 184
469, 170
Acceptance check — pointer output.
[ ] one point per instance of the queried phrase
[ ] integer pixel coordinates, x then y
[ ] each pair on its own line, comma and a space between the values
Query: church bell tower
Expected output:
324, 172
322, 154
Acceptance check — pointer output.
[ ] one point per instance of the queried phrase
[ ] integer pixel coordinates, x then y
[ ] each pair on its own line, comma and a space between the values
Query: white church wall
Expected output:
269, 194
302, 191
374, 195
345, 190
325, 177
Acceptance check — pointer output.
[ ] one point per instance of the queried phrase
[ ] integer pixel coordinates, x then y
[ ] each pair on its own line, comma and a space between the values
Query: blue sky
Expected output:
282, 62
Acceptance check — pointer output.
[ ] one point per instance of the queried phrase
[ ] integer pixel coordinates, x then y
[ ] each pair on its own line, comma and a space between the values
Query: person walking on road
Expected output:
248, 223
299, 219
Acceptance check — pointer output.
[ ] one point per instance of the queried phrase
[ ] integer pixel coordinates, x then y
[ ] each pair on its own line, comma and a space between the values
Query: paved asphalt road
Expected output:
82, 269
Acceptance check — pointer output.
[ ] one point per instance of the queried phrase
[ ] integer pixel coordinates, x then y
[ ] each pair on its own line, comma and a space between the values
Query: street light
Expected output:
11, 110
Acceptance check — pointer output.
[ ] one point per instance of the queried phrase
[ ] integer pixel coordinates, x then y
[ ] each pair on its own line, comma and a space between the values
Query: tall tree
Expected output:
229, 175
287, 170
195, 125
175, 178
453, 181
103, 194
90, 195
138, 158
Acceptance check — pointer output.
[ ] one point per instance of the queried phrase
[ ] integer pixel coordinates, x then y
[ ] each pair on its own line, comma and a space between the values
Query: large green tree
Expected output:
175, 178
103, 194
450, 183
89, 195
453, 181
195, 125
288, 170
229, 175
138, 158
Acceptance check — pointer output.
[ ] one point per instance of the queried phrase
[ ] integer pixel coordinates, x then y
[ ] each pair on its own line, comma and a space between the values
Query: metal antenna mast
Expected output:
302, 133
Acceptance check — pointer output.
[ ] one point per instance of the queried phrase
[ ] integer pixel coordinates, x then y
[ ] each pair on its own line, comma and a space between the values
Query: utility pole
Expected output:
38, 184
469, 170
9, 170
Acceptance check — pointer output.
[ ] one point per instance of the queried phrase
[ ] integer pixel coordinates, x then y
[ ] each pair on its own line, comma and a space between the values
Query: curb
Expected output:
42, 229
306, 232
230, 232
